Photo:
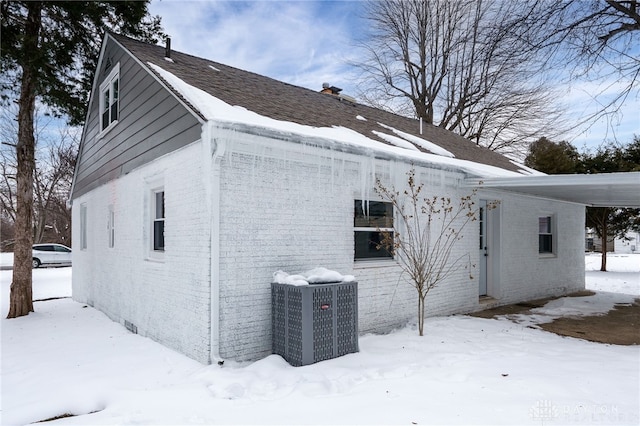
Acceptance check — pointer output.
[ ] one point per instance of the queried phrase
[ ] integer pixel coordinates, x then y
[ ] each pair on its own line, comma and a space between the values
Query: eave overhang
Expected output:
595, 190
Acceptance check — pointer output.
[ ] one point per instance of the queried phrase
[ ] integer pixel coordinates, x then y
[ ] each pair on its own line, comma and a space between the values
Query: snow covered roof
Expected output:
210, 88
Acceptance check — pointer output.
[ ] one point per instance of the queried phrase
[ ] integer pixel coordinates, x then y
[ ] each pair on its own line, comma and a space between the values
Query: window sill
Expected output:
547, 255
373, 263
107, 129
155, 258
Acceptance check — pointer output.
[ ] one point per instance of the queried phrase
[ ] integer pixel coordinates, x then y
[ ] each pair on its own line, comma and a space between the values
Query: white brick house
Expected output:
184, 205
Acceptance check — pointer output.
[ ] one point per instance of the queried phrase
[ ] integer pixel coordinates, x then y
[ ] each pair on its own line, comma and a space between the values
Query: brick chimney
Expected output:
330, 90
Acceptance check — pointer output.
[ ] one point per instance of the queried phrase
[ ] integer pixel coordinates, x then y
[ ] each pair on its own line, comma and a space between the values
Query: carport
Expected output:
597, 190
594, 190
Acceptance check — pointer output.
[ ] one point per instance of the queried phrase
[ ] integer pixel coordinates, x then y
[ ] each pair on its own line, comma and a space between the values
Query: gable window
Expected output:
157, 233
545, 234
372, 221
111, 226
109, 99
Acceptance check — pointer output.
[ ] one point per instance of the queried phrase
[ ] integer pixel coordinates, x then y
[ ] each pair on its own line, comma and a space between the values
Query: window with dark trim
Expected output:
373, 220
158, 221
545, 234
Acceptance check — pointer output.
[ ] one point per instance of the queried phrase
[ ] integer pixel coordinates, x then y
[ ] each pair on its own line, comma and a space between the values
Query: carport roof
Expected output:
596, 190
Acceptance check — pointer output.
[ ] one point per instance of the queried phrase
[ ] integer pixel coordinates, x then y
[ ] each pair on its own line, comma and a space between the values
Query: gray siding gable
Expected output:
152, 122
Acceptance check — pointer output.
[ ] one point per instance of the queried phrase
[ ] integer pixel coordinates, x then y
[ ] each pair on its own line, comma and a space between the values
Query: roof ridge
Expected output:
285, 101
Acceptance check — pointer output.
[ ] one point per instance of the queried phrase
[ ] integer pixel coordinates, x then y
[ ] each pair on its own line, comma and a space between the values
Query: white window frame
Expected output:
551, 231
107, 90
83, 226
373, 229
155, 252
111, 231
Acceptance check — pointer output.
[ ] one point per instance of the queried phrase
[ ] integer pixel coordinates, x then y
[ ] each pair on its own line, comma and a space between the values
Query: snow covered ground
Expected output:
6, 260
69, 358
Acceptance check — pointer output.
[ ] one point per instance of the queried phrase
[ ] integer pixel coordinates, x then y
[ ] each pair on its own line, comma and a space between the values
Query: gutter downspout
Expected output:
213, 151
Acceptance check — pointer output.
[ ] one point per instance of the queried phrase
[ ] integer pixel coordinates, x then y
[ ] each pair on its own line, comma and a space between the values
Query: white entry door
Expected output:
484, 247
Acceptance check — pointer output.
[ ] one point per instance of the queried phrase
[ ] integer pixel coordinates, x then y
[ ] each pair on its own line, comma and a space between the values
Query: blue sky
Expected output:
304, 43
307, 43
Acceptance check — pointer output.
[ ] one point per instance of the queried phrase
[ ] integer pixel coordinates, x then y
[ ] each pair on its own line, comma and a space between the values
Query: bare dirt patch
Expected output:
63, 416
51, 419
619, 326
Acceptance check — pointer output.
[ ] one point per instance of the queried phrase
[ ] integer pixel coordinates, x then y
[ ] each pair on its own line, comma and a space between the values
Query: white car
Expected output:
51, 255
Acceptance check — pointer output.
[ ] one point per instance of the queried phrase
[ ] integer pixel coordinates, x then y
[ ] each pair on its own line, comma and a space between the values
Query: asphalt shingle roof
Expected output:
286, 102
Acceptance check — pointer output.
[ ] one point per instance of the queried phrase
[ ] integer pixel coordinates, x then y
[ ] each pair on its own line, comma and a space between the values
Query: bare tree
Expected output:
55, 155
52, 184
459, 65
607, 50
425, 233
8, 183
591, 42
7, 233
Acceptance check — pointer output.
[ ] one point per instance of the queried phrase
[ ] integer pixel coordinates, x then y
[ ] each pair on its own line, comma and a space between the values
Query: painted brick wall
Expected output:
291, 209
169, 300
287, 208
524, 273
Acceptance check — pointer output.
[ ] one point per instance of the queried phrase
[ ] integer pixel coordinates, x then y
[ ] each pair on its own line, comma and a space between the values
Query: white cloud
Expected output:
302, 43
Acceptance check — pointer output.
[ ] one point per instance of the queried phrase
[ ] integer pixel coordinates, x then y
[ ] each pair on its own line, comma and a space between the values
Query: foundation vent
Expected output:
131, 327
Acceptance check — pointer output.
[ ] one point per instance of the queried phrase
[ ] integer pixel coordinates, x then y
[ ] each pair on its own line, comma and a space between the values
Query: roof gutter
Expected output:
380, 151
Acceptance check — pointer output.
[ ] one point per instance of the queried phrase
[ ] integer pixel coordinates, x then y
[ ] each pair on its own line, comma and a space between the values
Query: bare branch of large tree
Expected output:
55, 154
596, 44
461, 66
492, 70
52, 183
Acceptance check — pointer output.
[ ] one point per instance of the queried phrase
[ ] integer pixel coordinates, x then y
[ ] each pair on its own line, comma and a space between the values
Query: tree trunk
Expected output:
605, 236
421, 315
21, 299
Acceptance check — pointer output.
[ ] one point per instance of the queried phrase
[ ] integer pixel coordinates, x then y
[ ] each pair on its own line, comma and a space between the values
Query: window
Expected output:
83, 226
372, 221
111, 227
109, 96
157, 233
482, 225
545, 234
